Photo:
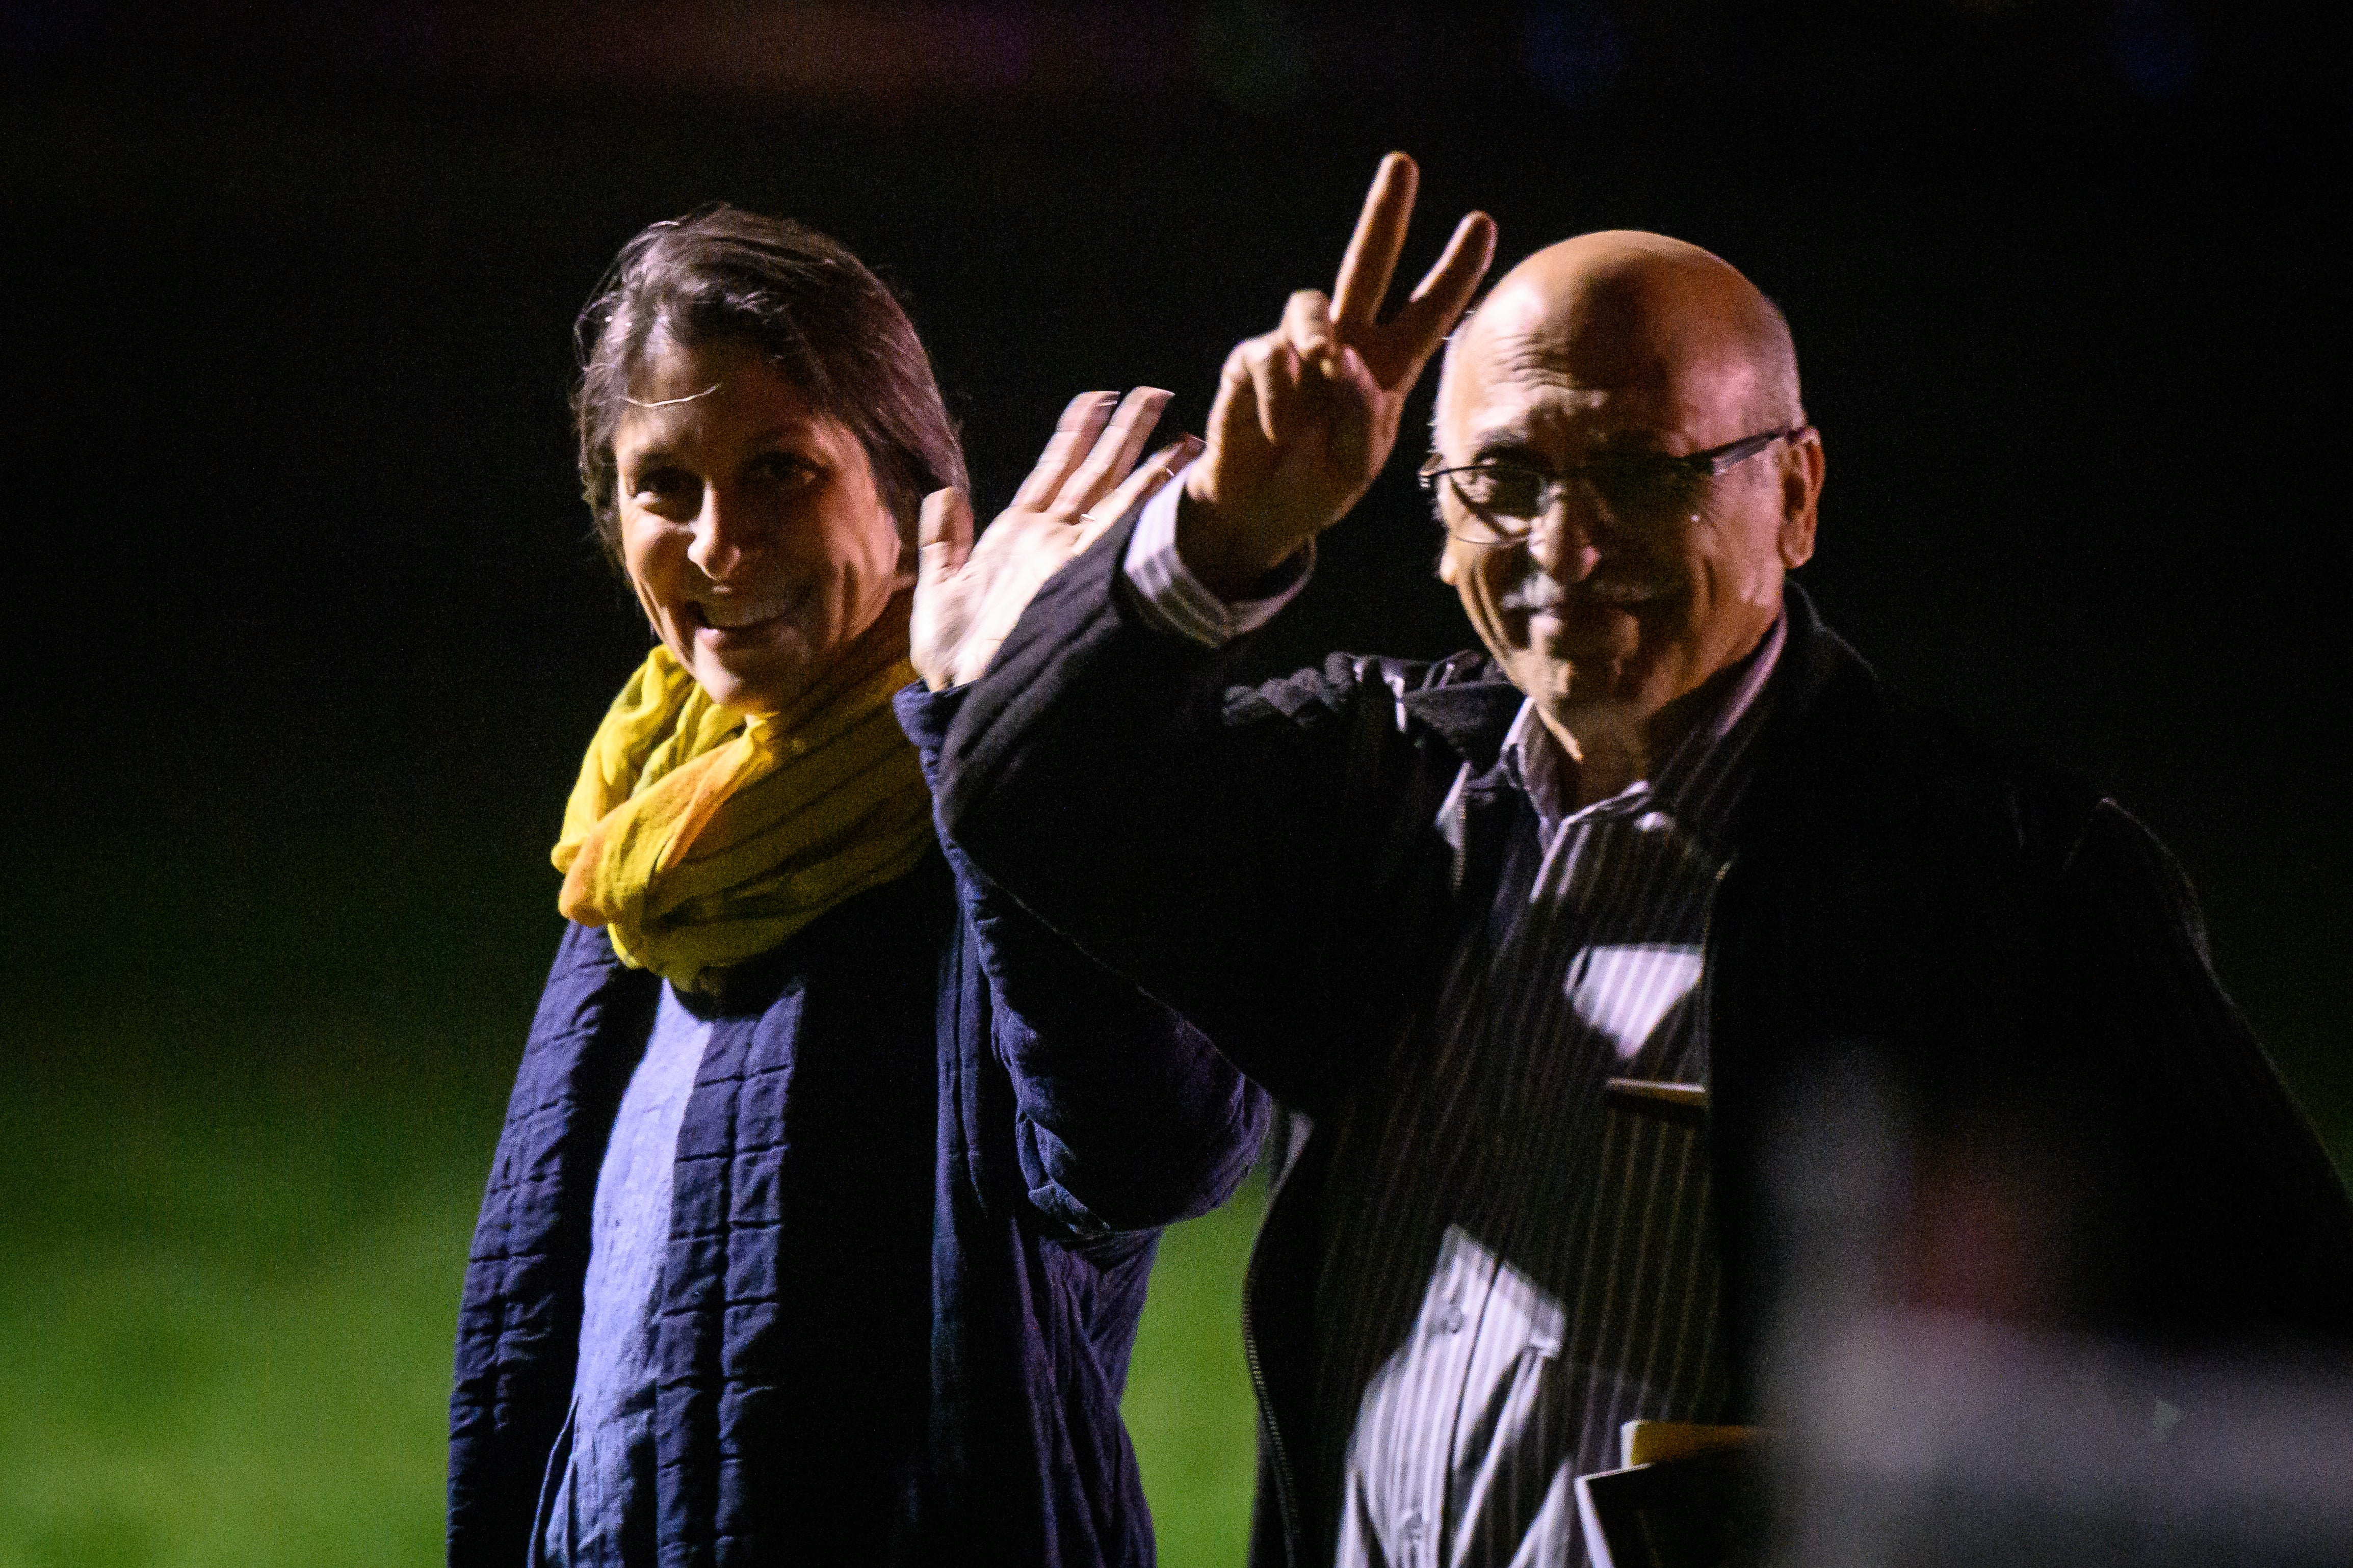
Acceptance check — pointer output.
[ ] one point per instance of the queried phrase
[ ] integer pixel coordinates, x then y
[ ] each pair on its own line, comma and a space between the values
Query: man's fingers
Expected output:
1274, 384
1074, 437
1150, 475
1307, 327
1115, 449
1437, 301
1232, 425
942, 537
1372, 249
1353, 428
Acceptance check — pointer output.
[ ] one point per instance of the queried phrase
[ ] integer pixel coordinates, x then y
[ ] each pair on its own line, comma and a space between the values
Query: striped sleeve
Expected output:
1175, 601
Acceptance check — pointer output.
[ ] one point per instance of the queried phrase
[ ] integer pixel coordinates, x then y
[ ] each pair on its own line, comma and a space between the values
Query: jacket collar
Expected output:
1471, 718
1813, 658
1473, 714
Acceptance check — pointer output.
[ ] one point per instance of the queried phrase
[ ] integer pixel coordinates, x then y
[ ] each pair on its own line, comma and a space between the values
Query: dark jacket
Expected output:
915, 1201
2006, 957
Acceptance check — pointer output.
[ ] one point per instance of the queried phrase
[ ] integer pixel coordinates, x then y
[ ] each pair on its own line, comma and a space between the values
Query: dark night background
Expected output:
311, 632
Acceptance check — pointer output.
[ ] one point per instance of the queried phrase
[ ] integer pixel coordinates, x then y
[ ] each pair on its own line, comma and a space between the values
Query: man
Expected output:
1552, 947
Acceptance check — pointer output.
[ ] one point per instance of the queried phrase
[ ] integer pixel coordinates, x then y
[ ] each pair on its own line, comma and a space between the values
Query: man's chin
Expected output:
1590, 688
1552, 682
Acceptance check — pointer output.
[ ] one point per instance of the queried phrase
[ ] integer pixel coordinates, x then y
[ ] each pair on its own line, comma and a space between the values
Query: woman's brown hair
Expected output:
831, 328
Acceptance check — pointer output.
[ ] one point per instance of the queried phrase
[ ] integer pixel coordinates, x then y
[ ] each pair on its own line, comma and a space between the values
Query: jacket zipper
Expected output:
1707, 972
1286, 1488
1707, 923
1461, 868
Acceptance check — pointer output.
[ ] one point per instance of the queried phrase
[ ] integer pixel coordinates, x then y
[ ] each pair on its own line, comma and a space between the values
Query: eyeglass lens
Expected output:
1636, 492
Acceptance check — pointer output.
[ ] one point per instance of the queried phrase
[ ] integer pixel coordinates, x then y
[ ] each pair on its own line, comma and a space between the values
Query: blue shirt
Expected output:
601, 1478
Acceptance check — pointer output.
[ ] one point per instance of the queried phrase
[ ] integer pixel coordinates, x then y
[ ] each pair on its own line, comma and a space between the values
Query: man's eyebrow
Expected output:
1513, 445
1513, 439
1513, 436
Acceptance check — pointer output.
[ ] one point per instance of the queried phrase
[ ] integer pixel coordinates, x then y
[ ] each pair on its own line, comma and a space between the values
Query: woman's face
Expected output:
750, 525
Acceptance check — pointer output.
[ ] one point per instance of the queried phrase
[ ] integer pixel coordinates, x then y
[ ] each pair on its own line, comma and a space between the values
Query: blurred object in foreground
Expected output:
1924, 1441
1941, 1409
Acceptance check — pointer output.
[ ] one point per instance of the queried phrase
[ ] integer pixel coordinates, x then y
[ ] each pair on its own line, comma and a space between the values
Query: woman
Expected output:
819, 1223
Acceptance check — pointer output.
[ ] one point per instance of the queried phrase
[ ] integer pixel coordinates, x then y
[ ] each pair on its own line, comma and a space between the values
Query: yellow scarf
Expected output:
698, 836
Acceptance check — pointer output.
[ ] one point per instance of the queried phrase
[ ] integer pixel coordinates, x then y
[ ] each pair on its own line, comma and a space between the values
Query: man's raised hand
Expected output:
1307, 414
968, 597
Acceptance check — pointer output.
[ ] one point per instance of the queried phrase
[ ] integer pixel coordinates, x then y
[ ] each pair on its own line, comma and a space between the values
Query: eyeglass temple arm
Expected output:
1724, 458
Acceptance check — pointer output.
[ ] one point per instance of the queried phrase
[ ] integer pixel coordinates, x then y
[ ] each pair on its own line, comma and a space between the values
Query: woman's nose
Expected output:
722, 535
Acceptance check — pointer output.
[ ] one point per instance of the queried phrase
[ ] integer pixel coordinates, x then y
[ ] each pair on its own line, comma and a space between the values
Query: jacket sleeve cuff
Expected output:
925, 715
1170, 599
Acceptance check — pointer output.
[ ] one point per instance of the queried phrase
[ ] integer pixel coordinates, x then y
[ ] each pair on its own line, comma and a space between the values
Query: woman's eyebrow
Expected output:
638, 458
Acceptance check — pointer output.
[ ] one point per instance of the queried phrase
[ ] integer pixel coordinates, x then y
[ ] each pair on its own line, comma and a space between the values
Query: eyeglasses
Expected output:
1638, 489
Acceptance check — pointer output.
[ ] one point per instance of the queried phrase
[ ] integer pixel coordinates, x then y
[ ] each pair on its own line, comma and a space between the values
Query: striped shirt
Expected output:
1517, 1258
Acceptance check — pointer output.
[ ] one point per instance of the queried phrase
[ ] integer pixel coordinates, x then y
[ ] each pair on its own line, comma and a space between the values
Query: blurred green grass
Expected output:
1188, 1402
229, 1261
241, 1142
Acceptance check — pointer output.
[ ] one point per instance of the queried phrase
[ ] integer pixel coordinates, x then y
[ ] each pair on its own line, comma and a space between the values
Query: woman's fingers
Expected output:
943, 536
940, 622
1372, 254
1074, 437
1116, 446
1150, 475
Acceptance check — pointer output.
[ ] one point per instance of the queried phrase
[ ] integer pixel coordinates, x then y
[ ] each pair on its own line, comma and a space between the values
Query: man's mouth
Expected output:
1543, 595
1616, 590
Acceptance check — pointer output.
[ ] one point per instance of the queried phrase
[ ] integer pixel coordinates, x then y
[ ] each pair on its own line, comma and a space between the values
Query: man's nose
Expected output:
1561, 541
723, 535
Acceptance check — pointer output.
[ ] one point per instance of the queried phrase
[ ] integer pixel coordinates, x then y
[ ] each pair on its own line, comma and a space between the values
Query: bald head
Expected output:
1608, 357
1629, 311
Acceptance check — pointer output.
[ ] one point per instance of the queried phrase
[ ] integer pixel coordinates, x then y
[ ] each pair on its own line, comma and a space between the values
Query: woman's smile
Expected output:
741, 616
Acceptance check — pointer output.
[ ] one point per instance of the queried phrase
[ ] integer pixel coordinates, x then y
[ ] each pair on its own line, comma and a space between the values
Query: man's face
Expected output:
750, 525
1600, 615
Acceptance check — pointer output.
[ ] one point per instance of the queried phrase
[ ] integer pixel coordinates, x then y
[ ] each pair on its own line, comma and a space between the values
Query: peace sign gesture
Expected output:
1307, 414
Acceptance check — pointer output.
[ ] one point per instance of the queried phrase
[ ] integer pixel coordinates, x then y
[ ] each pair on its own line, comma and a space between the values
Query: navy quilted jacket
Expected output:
917, 1198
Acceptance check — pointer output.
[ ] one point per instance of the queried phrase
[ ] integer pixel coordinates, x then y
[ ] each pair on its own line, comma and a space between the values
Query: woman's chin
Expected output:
758, 682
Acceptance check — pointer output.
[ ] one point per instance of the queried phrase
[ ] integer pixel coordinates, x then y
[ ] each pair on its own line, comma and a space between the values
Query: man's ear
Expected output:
1801, 491
1447, 569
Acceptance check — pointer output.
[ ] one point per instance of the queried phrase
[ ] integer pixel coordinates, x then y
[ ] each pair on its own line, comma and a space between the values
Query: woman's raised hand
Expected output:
967, 596
1307, 414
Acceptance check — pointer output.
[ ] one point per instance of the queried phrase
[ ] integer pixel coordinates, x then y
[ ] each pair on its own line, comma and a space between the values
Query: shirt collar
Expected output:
1533, 758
